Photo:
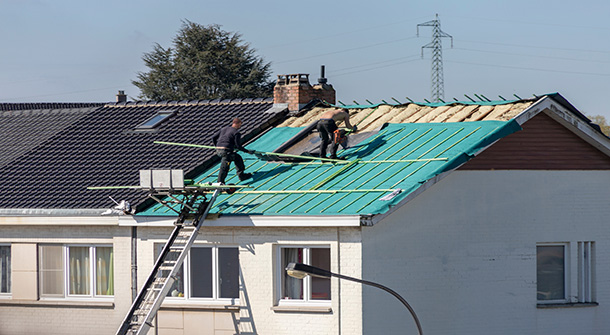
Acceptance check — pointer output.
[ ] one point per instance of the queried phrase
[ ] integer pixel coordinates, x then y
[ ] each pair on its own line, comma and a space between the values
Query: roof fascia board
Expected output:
250, 221
569, 120
59, 221
52, 212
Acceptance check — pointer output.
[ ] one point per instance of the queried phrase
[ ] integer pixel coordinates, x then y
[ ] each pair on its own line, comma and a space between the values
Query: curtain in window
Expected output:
320, 287
293, 288
5, 269
104, 271
78, 258
51, 270
177, 289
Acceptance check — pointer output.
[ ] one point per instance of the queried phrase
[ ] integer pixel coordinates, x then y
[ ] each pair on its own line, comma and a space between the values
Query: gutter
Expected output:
51, 212
249, 221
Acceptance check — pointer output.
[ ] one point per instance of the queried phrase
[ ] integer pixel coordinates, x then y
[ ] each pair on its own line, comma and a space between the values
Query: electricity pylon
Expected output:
438, 85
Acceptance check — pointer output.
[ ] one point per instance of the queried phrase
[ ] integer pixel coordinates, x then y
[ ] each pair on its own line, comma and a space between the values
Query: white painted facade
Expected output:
463, 254
257, 312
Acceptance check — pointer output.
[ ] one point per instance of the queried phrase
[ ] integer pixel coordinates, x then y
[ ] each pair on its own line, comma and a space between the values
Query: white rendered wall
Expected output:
463, 254
23, 314
256, 315
257, 252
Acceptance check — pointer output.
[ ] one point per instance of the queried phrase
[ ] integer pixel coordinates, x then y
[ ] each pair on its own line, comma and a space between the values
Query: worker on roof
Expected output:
226, 141
327, 126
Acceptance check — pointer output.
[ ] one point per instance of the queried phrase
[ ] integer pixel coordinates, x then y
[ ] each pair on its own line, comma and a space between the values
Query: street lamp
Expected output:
300, 271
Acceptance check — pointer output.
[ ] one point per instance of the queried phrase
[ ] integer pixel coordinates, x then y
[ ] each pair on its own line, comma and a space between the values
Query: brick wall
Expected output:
296, 91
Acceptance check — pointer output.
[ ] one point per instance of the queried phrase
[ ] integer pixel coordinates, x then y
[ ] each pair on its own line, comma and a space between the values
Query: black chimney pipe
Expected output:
322, 80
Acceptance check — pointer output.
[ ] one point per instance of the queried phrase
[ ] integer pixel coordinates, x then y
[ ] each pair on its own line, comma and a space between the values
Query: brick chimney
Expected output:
296, 91
121, 97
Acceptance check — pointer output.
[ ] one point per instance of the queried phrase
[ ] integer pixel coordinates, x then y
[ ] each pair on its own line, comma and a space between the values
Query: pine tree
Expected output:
205, 62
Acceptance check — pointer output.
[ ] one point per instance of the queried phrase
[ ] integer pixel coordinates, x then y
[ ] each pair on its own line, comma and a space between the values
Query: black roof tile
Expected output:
99, 147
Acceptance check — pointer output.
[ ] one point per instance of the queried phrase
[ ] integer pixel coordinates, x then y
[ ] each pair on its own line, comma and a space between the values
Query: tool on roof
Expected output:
191, 203
272, 156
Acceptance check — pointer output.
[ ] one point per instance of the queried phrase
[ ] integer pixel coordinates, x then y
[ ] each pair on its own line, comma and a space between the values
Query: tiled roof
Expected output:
23, 130
104, 148
397, 157
7, 106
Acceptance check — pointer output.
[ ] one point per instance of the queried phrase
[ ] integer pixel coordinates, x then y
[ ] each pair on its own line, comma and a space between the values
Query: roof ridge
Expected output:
20, 106
440, 104
194, 102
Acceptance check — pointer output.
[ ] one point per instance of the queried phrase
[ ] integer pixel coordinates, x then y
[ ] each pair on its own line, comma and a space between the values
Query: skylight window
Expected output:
155, 120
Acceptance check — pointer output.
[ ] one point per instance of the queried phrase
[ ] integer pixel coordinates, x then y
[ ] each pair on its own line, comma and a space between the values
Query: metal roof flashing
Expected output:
250, 221
399, 157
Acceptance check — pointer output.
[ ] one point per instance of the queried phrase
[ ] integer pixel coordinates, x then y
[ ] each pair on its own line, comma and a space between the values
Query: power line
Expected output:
341, 33
533, 69
536, 56
346, 50
536, 47
398, 62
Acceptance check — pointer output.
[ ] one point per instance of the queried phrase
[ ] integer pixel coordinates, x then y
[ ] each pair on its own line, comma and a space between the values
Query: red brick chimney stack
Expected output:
296, 91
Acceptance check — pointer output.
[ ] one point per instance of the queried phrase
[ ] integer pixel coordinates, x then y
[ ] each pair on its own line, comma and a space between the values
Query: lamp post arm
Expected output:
389, 290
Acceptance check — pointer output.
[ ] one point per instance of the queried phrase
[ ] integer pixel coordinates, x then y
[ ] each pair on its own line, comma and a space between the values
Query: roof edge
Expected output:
169, 103
51, 212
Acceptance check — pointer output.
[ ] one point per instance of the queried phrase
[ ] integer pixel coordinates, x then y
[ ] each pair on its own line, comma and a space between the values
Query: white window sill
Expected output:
57, 303
199, 306
302, 309
567, 305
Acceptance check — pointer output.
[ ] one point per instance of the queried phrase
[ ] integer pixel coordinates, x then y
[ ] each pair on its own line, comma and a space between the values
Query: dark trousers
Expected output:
327, 129
228, 156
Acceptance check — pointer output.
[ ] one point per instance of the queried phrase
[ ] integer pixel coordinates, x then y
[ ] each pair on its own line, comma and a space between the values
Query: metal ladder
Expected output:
194, 209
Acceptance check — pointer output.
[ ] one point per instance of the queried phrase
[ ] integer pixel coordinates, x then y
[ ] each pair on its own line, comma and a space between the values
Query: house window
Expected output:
5, 269
76, 271
208, 273
308, 288
551, 272
554, 268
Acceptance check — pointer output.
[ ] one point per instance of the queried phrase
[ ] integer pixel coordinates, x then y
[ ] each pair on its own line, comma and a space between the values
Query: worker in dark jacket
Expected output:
327, 126
226, 141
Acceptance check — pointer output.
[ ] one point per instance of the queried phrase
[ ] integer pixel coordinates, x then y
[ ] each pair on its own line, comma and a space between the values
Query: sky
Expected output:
86, 51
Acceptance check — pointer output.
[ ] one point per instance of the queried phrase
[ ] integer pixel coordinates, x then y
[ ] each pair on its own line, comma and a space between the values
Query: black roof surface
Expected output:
23, 130
102, 147
9, 106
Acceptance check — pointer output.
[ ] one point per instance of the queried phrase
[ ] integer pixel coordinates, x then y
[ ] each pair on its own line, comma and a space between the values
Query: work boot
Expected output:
245, 176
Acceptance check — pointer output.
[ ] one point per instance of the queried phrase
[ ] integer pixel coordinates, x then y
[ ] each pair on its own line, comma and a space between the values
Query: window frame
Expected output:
307, 281
566, 273
186, 275
162, 115
9, 293
580, 270
65, 261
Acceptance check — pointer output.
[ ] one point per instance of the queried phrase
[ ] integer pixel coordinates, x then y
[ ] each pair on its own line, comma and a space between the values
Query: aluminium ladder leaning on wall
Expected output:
193, 207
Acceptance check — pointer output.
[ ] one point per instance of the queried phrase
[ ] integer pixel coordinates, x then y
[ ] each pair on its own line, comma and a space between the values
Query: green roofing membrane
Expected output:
399, 157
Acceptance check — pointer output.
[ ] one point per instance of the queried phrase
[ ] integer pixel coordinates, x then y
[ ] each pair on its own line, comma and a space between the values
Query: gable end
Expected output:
543, 144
